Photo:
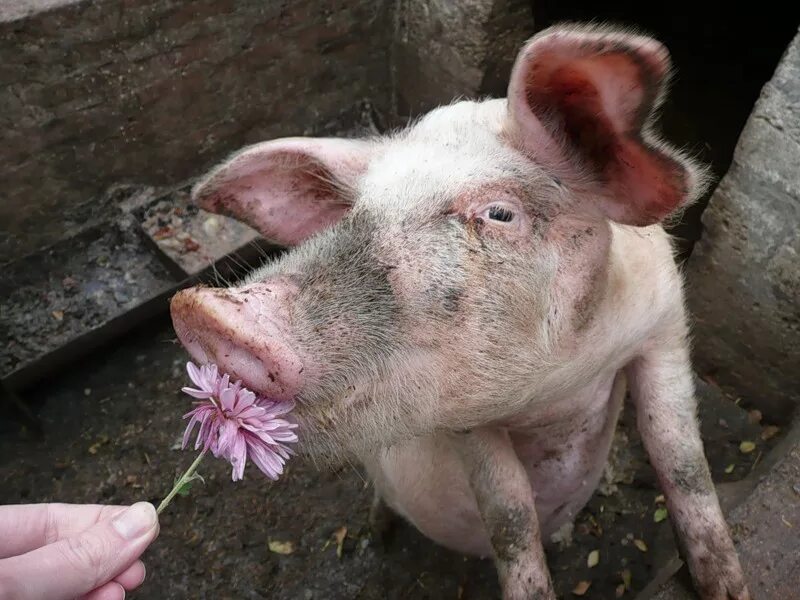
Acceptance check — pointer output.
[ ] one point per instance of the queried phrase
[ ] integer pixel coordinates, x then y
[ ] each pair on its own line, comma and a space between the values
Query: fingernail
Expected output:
135, 520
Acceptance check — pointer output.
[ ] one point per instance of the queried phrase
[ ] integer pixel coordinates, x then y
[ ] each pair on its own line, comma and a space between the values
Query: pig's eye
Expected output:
500, 213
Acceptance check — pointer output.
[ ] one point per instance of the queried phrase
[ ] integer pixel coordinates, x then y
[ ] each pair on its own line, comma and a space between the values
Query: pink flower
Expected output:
235, 423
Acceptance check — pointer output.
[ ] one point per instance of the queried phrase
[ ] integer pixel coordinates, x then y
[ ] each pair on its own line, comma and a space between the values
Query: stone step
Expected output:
121, 268
765, 529
744, 282
78, 294
620, 519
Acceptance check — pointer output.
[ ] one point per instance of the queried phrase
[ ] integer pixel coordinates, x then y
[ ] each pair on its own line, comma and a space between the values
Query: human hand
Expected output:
66, 551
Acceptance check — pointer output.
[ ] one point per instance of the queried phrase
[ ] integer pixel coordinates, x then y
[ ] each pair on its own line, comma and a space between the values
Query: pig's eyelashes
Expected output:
500, 213
497, 212
505, 216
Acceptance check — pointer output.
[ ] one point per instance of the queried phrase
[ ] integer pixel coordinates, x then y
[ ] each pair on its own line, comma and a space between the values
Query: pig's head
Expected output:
437, 276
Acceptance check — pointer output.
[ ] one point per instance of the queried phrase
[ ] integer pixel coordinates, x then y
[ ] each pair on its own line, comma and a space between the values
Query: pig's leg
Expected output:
663, 390
506, 504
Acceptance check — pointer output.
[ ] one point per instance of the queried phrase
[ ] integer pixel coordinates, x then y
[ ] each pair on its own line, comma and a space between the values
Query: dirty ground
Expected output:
112, 427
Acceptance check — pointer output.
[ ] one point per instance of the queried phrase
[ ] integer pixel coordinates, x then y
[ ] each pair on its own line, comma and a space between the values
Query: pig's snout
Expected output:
244, 331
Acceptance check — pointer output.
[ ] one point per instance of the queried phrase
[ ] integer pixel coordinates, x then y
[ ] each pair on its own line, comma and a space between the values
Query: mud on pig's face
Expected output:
434, 275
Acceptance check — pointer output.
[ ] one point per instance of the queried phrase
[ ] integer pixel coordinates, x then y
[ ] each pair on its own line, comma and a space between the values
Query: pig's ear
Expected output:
287, 189
581, 103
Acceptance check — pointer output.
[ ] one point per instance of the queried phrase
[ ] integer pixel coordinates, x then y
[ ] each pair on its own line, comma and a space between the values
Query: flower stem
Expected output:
187, 476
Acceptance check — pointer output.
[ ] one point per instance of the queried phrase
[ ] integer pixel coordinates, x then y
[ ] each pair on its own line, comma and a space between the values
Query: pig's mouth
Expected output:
242, 335
228, 328
243, 332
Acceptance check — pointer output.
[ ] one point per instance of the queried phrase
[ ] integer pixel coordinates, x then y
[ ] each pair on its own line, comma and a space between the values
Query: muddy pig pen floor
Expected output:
112, 428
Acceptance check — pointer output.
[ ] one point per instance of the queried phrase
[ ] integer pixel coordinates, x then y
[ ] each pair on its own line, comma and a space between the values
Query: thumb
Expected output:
76, 565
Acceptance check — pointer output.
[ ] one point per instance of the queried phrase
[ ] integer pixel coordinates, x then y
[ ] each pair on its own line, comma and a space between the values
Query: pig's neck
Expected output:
637, 290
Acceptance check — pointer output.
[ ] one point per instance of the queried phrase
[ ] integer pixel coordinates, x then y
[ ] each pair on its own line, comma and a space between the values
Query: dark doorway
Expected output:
723, 55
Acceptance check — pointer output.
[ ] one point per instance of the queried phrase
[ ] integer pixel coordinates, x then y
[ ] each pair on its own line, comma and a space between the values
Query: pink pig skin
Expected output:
465, 302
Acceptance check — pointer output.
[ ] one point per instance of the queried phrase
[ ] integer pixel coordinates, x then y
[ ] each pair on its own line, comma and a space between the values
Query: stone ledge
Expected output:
744, 275
765, 529
60, 303
15, 10
123, 266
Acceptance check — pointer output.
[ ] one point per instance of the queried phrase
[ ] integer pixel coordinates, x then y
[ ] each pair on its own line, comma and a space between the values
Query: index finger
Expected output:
25, 527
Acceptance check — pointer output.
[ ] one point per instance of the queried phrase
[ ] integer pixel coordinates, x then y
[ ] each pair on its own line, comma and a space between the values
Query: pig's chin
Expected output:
357, 425
331, 438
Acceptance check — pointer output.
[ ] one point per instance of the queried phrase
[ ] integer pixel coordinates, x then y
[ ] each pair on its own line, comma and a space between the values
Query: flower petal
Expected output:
281, 451
227, 398
194, 411
205, 436
247, 398
195, 374
194, 393
266, 460
262, 435
223, 383
285, 451
228, 432
284, 436
209, 375
251, 412
192, 422
277, 407
238, 457
275, 423
234, 422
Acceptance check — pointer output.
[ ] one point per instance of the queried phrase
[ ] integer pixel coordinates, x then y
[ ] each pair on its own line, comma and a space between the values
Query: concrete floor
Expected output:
111, 428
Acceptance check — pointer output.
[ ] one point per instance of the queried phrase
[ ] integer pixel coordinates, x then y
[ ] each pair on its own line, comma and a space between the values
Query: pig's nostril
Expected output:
215, 327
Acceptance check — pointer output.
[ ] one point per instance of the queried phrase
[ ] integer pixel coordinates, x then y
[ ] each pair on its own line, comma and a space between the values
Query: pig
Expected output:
464, 303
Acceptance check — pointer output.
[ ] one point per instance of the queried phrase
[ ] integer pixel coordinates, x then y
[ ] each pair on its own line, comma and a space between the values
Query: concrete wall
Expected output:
94, 93
744, 274
445, 49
